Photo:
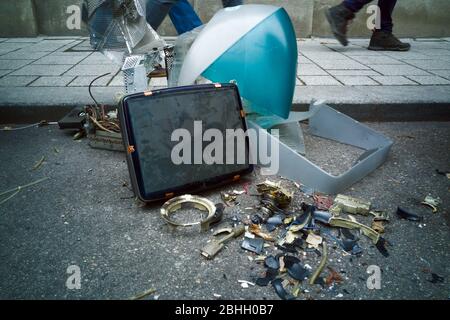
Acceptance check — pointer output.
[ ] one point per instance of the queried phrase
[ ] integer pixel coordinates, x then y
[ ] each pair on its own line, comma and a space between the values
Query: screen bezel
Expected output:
133, 157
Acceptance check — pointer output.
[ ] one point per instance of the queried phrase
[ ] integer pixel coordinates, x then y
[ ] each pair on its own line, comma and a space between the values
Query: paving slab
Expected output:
357, 81
92, 70
430, 80
49, 45
4, 72
319, 80
310, 70
393, 80
16, 81
353, 73
430, 64
23, 54
349, 78
52, 81
399, 70
371, 60
42, 70
13, 64
442, 73
57, 59
341, 65
83, 81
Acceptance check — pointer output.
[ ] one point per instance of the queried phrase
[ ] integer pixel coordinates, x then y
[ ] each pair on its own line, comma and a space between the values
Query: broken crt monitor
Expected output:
184, 139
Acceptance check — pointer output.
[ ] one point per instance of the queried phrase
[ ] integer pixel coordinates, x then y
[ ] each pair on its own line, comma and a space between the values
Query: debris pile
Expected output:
282, 240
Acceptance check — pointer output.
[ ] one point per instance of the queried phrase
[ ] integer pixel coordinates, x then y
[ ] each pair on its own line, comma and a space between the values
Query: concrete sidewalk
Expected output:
44, 77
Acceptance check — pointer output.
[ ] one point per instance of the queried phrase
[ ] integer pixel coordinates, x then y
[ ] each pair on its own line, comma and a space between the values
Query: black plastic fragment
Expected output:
349, 241
304, 220
271, 274
270, 227
404, 214
75, 119
218, 215
272, 263
435, 278
297, 272
290, 260
281, 292
381, 246
256, 219
254, 245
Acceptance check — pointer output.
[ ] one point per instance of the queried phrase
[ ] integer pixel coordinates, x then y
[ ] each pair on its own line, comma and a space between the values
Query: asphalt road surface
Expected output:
85, 215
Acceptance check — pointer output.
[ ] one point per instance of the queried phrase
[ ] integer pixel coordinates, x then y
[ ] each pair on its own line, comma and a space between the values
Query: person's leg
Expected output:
157, 10
339, 17
386, 8
383, 39
184, 17
231, 3
355, 5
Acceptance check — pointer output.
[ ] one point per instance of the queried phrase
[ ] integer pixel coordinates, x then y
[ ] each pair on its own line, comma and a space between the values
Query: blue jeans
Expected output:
386, 8
184, 17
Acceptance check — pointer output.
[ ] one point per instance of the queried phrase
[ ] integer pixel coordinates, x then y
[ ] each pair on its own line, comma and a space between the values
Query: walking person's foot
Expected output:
339, 17
386, 41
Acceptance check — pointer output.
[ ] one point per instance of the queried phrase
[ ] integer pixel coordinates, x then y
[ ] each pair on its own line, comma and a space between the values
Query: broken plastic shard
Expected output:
281, 292
297, 272
271, 274
256, 230
228, 198
349, 241
254, 245
302, 221
322, 216
280, 196
352, 205
314, 240
379, 215
378, 226
270, 227
435, 278
307, 190
432, 202
322, 202
381, 246
256, 219
275, 220
272, 262
404, 214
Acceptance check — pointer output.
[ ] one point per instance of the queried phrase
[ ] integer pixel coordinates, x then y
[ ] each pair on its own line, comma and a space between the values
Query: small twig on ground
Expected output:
16, 190
144, 294
39, 163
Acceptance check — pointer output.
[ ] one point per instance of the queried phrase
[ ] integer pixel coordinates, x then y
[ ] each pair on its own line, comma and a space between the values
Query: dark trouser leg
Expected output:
356, 5
157, 10
386, 8
231, 3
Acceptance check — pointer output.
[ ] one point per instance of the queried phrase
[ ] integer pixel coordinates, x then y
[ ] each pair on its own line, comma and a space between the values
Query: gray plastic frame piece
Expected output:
328, 123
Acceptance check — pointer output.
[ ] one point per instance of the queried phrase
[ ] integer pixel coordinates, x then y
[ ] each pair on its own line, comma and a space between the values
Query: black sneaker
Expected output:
339, 17
385, 41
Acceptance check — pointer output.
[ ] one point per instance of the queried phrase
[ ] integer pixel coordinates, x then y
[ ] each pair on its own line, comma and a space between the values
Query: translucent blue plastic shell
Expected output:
264, 65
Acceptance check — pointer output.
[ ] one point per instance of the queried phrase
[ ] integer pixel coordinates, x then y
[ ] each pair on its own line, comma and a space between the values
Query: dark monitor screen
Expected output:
185, 136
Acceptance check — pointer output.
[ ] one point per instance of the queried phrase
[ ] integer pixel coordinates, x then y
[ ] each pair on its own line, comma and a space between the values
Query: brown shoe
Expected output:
385, 41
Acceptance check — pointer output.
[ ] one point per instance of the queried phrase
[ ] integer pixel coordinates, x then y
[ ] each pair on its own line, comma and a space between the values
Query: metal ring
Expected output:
200, 203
